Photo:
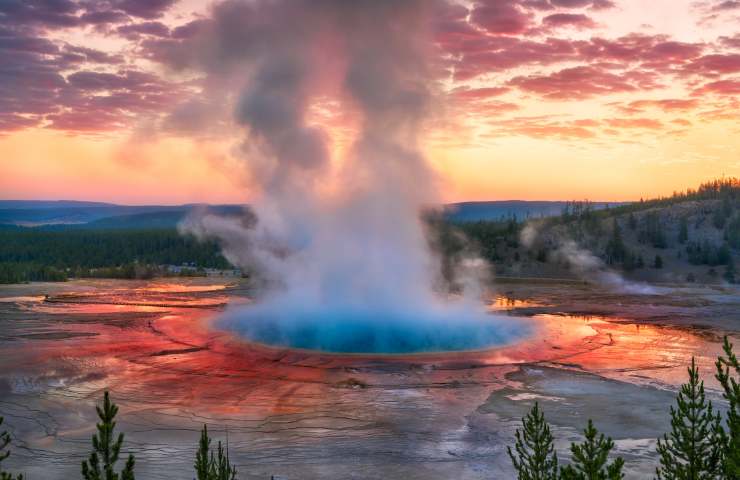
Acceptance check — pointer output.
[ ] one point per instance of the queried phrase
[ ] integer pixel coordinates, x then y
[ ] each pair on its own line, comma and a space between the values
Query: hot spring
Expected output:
339, 239
346, 329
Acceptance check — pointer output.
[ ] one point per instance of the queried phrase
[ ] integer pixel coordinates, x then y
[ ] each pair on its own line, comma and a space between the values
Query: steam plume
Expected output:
350, 269
585, 264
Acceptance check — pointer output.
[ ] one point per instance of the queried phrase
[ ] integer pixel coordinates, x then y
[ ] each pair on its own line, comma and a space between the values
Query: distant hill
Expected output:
36, 213
94, 214
156, 219
42, 204
693, 236
521, 209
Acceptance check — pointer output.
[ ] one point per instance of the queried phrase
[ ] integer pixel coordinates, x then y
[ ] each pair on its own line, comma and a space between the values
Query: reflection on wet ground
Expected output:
306, 415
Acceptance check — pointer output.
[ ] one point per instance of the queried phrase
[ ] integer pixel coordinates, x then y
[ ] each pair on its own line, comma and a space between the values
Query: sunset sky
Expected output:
534, 99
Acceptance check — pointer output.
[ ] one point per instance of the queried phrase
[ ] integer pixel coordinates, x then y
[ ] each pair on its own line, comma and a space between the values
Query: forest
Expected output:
33, 254
693, 235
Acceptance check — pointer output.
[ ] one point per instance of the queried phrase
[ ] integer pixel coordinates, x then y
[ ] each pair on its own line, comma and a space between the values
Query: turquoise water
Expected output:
353, 330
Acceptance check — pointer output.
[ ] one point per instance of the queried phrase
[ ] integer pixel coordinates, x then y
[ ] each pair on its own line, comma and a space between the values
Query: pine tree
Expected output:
209, 466
4, 443
589, 461
658, 263
693, 449
730, 272
683, 231
728, 375
615, 249
102, 461
201, 456
535, 457
632, 222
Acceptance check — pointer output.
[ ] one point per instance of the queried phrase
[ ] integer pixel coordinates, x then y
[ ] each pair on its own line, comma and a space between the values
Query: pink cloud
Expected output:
720, 87
715, 64
478, 93
544, 127
648, 123
501, 17
666, 104
576, 20
582, 82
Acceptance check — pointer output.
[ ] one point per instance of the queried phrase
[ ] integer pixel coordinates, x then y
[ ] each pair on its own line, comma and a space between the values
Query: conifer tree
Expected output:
106, 450
615, 249
589, 461
632, 222
535, 457
683, 231
728, 375
202, 455
4, 443
730, 272
693, 450
209, 466
658, 263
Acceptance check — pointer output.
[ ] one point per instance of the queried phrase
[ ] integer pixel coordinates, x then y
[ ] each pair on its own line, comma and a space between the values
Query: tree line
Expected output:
39, 255
702, 444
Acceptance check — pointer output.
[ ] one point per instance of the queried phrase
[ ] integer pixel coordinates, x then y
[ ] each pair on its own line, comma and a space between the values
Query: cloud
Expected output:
715, 64
576, 20
544, 127
492, 53
144, 8
465, 93
52, 83
594, 4
730, 42
501, 17
665, 104
645, 123
720, 87
582, 82
726, 5
134, 30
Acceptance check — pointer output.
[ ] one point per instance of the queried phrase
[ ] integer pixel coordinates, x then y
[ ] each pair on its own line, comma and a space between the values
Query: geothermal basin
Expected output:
441, 327
162, 350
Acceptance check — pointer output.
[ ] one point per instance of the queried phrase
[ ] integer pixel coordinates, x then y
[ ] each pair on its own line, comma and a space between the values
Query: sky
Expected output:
129, 101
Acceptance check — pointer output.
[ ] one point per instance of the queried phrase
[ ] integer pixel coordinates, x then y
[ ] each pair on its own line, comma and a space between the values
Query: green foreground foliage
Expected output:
694, 447
702, 445
5, 453
590, 458
535, 457
728, 375
209, 466
106, 448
